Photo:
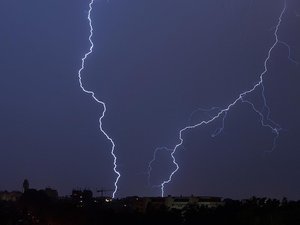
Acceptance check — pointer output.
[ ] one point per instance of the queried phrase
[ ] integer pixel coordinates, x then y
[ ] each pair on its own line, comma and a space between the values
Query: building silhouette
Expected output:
25, 185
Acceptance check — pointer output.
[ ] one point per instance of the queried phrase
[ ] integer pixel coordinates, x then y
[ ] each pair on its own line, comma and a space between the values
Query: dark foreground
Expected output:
37, 208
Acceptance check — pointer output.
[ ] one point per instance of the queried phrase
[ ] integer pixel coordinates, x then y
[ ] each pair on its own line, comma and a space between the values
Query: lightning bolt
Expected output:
92, 94
208, 112
289, 51
153, 160
263, 113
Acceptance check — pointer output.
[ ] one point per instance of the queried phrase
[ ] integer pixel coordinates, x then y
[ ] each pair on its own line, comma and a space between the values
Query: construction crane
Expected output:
102, 191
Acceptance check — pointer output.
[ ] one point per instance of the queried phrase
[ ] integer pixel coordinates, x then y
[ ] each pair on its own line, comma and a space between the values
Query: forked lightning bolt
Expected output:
263, 113
96, 99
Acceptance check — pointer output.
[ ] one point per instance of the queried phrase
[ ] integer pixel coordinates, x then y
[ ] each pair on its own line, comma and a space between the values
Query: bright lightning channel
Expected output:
263, 113
96, 99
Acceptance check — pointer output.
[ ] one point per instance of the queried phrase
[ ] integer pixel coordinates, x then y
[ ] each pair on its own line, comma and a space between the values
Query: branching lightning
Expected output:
289, 51
153, 160
96, 99
263, 113
209, 112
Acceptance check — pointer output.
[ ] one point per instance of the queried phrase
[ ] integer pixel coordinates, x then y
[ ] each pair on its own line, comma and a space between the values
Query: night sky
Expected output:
154, 63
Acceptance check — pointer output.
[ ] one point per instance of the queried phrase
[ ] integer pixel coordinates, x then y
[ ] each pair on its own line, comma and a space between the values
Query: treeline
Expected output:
40, 209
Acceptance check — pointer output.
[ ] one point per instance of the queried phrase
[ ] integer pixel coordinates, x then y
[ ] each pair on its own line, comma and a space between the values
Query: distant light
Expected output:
108, 200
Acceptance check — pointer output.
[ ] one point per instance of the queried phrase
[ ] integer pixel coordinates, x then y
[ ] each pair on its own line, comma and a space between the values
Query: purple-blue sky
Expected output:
154, 63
